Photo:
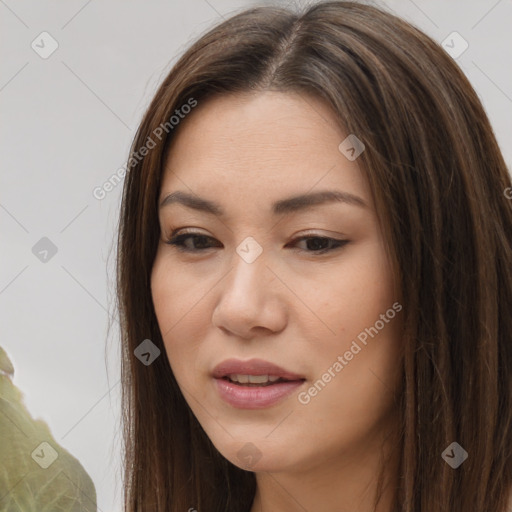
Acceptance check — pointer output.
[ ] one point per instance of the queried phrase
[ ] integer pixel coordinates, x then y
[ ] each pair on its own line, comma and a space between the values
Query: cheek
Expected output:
177, 303
352, 294
360, 305
178, 296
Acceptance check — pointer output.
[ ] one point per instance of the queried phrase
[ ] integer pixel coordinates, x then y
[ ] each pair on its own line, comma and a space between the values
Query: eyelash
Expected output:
178, 242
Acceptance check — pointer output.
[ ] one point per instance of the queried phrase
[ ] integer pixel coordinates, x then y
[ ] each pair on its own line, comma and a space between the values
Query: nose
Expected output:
251, 300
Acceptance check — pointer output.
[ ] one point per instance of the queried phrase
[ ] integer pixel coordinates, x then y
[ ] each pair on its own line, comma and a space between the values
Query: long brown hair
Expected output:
438, 179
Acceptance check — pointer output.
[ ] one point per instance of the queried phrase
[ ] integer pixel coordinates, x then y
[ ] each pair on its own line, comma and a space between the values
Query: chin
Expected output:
259, 454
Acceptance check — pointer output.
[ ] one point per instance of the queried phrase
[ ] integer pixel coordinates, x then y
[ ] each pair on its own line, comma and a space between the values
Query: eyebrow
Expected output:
283, 206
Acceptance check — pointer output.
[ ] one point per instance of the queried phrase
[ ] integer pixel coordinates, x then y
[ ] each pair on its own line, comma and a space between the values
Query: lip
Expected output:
254, 397
252, 367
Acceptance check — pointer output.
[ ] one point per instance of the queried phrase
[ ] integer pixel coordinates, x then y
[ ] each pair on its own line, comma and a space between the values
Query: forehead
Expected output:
264, 145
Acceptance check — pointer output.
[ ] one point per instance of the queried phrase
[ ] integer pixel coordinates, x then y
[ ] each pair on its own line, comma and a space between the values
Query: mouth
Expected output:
257, 380
253, 371
254, 384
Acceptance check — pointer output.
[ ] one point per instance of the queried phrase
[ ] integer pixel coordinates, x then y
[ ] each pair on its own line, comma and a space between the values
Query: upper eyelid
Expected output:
298, 237
311, 232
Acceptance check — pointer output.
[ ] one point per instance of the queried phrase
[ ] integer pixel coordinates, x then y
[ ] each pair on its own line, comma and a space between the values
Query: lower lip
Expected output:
253, 397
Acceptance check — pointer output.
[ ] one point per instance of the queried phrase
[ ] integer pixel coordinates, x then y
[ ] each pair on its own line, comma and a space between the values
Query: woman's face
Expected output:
248, 287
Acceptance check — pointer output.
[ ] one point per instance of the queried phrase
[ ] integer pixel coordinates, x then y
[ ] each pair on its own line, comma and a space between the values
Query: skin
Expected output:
291, 306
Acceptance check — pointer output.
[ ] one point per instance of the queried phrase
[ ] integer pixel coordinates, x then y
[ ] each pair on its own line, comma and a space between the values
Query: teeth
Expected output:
252, 379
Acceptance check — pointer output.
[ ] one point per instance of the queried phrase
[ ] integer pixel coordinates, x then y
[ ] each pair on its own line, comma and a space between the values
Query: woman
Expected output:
315, 276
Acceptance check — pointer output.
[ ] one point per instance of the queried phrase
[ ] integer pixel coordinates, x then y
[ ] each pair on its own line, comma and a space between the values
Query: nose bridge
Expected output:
250, 268
246, 301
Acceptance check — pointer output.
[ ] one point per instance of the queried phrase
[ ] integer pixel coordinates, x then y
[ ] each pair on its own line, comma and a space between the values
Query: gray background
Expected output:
67, 124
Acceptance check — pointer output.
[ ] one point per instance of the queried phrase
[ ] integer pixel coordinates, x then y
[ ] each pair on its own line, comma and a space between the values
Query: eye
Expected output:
179, 241
320, 244
314, 244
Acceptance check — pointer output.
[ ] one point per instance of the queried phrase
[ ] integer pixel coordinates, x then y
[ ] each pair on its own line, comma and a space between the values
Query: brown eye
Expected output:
198, 242
320, 244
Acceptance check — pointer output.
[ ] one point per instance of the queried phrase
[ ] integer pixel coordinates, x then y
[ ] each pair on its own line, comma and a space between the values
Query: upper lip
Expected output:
252, 367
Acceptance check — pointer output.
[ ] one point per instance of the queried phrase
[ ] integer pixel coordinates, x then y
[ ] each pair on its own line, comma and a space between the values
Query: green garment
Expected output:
36, 473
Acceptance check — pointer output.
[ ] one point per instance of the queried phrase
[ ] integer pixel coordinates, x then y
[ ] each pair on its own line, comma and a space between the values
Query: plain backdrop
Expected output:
67, 122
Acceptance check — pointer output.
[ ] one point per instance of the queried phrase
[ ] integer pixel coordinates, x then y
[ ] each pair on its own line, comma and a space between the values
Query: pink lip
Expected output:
251, 397
245, 397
